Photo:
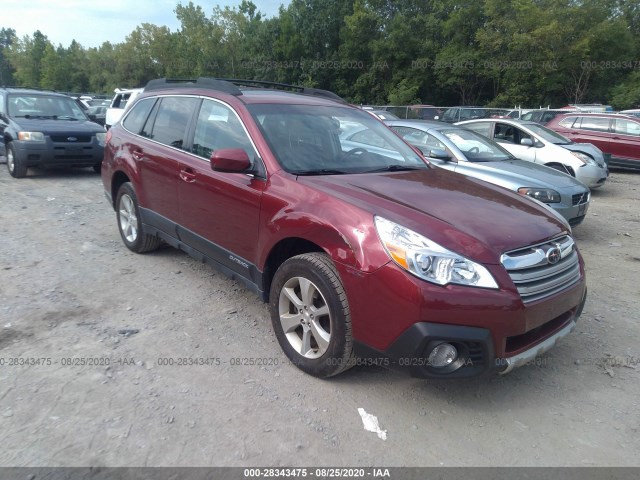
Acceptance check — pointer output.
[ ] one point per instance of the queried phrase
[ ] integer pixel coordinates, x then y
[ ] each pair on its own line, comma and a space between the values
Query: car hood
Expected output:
514, 174
468, 216
50, 126
589, 149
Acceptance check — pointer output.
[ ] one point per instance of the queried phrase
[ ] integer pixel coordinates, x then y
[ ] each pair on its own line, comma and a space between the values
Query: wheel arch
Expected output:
117, 180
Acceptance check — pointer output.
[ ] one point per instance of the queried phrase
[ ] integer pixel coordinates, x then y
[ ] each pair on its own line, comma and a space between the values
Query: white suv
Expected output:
121, 99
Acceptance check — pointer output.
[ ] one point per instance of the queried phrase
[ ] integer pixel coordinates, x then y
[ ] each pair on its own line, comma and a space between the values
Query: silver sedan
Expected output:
463, 151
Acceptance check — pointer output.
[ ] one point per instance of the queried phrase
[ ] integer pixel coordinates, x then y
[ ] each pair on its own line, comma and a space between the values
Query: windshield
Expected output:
476, 147
44, 106
327, 140
549, 135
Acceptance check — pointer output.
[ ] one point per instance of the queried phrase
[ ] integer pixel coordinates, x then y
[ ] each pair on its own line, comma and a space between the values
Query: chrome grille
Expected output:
536, 276
580, 198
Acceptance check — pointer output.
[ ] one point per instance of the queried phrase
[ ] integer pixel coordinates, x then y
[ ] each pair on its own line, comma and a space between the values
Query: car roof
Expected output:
32, 91
514, 121
247, 91
424, 125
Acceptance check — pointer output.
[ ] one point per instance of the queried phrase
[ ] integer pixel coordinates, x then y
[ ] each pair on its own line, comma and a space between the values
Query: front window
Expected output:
597, 124
476, 147
322, 140
44, 106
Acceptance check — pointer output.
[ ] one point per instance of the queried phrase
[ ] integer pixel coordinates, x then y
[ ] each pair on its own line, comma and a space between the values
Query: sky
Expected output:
93, 22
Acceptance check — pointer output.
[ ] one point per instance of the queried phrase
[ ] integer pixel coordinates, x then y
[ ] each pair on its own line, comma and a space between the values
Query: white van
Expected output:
121, 99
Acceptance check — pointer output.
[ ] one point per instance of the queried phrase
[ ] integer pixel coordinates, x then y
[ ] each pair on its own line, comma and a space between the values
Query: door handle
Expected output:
187, 175
137, 154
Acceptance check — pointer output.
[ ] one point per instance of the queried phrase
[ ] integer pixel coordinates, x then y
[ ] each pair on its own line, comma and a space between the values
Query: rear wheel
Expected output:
310, 315
129, 224
16, 167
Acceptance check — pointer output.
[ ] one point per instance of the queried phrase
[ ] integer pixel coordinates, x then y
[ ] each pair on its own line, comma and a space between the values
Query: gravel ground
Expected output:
87, 328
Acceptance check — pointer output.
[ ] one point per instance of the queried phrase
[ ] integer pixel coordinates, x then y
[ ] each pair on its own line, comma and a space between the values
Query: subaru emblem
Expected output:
553, 255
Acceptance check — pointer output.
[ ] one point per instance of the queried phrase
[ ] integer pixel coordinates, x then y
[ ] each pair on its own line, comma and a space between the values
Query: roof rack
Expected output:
230, 86
316, 92
201, 82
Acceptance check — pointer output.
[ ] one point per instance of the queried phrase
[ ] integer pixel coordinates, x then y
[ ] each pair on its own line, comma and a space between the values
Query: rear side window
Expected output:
626, 127
171, 121
595, 123
138, 115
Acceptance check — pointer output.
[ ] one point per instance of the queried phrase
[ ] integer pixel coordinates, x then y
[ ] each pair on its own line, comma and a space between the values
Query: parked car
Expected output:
359, 254
458, 114
97, 114
542, 116
46, 129
616, 135
382, 114
467, 152
535, 143
633, 113
121, 99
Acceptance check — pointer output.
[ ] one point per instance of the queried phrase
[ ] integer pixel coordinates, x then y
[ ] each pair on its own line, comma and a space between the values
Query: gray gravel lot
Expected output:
69, 289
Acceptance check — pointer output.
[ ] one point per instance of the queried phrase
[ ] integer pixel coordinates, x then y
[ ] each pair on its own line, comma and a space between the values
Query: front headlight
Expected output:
545, 195
584, 158
31, 136
100, 137
428, 260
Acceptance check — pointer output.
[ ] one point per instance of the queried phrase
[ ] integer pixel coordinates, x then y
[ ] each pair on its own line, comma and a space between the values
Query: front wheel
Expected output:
129, 223
17, 169
310, 315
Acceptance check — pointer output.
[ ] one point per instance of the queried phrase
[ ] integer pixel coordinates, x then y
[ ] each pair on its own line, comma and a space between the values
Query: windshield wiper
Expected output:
395, 168
319, 171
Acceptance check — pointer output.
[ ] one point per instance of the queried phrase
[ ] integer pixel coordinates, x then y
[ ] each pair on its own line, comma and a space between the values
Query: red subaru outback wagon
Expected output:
363, 250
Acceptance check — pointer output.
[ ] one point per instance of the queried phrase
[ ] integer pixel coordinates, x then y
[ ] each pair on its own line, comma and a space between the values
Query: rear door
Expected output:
219, 212
596, 130
158, 160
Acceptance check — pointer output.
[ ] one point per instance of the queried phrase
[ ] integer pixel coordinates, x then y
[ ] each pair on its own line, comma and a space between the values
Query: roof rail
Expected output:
230, 86
201, 82
316, 92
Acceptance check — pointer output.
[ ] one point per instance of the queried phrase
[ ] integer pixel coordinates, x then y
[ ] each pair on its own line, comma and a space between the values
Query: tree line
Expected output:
442, 52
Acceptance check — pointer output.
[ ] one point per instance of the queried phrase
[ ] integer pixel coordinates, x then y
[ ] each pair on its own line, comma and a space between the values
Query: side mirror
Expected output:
438, 153
527, 142
231, 160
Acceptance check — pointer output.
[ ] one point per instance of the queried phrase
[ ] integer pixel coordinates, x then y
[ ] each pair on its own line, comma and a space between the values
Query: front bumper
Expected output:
492, 330
593, 176
53, 154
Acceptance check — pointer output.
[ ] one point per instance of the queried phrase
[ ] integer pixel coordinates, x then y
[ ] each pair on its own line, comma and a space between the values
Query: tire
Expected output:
17, 169
129, 225
319, 344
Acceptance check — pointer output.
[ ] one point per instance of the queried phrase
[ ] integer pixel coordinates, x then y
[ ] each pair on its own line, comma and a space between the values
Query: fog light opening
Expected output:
443, 355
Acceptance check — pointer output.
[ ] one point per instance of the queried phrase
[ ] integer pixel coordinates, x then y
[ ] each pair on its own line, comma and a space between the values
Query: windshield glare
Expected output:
44, 106
549, 135
476, 147
322, 140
